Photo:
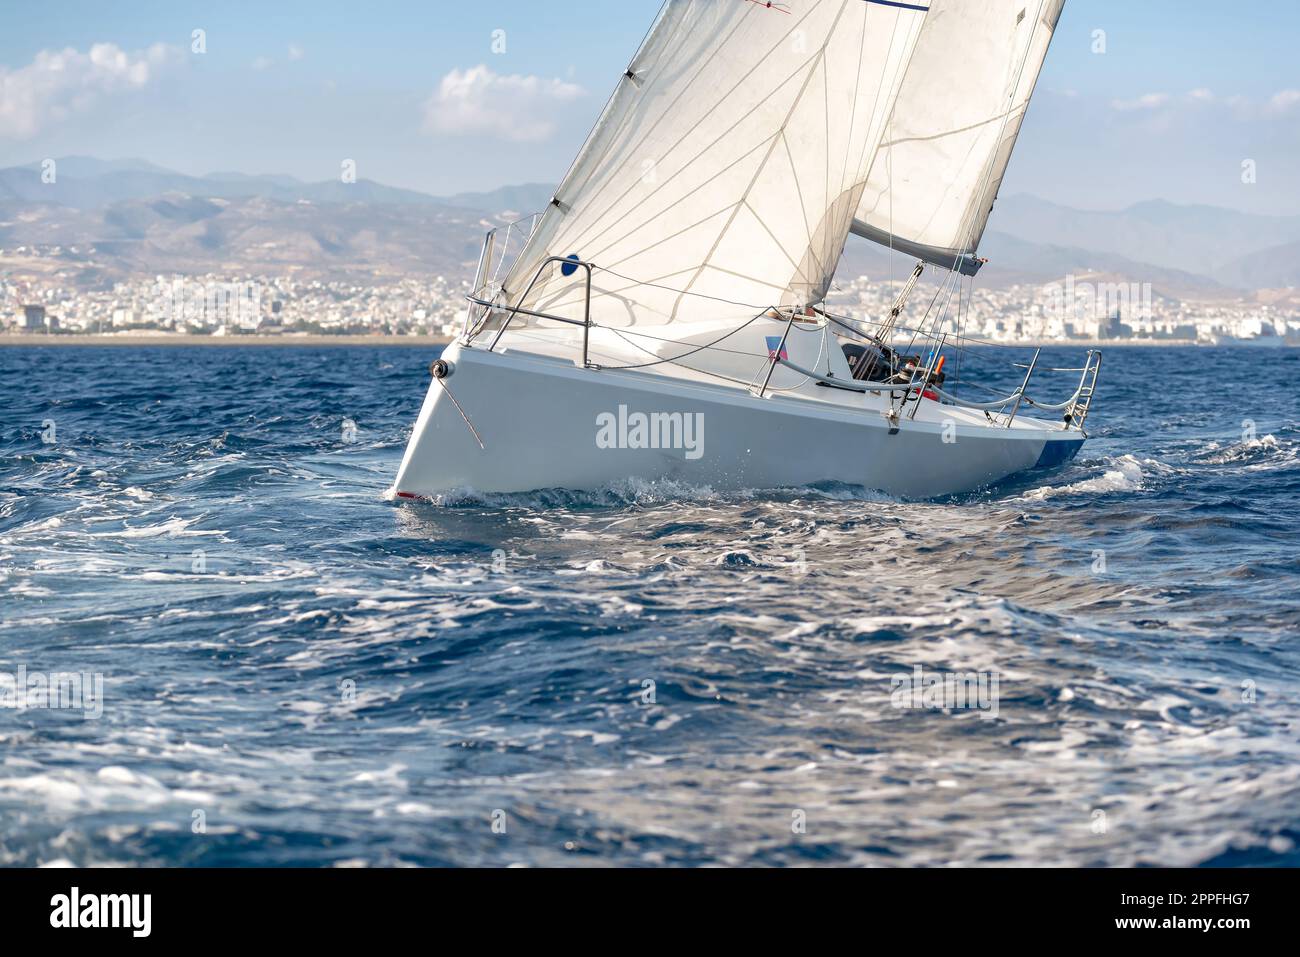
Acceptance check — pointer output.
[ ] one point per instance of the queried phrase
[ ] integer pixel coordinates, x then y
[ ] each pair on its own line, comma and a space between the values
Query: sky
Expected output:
1172, 99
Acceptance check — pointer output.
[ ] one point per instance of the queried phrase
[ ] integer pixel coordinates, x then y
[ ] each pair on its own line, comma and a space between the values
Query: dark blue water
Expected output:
299, 670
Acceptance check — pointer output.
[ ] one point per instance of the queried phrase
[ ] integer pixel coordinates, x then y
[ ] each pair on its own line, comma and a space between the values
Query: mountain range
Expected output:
128, 216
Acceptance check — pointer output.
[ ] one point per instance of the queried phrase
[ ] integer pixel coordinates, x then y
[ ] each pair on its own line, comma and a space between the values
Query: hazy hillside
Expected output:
1014, 261
1194, 239
90, 184
524, 199
178, 233
125, 216
1271, 268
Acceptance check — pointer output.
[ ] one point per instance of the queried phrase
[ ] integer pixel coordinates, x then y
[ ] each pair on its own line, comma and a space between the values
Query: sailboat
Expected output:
665, 317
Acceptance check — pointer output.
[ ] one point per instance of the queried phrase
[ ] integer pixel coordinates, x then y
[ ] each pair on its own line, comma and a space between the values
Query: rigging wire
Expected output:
917, 331
727, 335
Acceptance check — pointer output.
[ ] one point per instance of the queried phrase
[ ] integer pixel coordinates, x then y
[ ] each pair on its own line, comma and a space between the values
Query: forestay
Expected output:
724, 172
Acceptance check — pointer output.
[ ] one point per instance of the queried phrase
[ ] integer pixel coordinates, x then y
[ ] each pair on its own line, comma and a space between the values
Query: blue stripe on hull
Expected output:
1058, 452
896, 3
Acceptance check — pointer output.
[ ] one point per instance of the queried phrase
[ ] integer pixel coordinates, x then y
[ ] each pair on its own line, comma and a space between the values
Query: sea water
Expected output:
1096, 665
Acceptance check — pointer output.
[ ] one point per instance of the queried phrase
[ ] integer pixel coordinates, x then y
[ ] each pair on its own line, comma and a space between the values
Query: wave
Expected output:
642, 492
609, 666
1124, 473
1263, 453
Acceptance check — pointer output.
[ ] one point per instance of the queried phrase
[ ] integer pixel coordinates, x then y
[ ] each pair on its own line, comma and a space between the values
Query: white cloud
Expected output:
1148, 101
60, 83
511, 107
293, 54
1242, 106
1205, 97
1284, 100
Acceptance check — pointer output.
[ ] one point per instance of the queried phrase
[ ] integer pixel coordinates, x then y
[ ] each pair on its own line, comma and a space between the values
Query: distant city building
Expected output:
287, 304
1112, 327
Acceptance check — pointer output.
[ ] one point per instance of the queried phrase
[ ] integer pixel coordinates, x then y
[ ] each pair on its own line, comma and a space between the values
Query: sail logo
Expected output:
651, 430
946, 691
131, 911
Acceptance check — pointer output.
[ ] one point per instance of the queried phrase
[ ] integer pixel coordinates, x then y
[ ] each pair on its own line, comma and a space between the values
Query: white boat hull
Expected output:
545, 422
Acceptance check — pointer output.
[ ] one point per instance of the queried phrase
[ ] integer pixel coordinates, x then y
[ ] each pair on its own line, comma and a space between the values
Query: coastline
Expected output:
172, 339
165, 339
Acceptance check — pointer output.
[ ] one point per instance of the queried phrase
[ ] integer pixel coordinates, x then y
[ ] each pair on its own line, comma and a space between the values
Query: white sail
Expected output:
935, 177
724, 173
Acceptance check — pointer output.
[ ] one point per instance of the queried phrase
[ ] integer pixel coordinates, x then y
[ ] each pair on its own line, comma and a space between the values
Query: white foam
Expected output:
643, 492
1122, 474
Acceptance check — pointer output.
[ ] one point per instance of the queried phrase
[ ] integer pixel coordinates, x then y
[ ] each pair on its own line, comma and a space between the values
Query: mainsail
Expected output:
934, 179
724, 173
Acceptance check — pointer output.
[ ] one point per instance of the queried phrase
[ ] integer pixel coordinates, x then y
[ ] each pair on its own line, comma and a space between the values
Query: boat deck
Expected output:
737, 363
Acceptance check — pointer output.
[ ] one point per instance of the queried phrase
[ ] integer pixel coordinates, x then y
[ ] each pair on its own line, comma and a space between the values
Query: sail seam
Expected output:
677, 202
784, 252
938, 145
590, 173
657, 283
586, 238
979, 199
748, 189
537, 237
961, 129
803, 207
688, 87
873, 141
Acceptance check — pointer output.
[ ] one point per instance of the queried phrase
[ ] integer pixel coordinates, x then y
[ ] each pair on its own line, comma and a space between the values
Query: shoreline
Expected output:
165, 339
171, 339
